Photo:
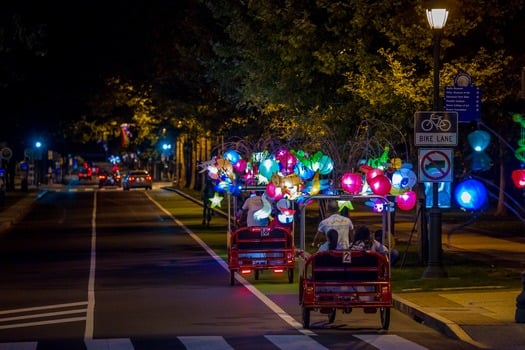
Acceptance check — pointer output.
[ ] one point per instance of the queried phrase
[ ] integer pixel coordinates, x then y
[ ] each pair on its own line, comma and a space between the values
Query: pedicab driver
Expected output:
342, 224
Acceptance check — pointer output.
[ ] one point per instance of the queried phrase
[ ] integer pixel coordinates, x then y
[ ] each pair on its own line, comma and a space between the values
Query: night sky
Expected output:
85, 41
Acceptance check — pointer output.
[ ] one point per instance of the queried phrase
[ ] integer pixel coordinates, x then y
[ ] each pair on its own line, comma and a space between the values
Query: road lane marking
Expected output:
90, 314
389, 342
295, 342
45, 307
108, 344
205, 343
261, 296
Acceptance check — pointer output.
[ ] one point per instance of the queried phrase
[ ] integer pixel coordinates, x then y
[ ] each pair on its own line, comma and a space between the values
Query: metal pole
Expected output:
435, 268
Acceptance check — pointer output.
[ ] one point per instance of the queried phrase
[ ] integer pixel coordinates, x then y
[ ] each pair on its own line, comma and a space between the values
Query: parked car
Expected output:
137, 179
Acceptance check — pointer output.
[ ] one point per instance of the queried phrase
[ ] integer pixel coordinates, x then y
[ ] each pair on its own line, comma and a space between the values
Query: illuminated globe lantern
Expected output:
352, 183
406, 200
470, 194
479, 140
518, 178
380, 185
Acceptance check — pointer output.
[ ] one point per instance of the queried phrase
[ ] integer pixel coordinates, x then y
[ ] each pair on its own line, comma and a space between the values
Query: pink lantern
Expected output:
240, 166
407, 200
370, 174
352, 182
518, 177
274, 192
380, 185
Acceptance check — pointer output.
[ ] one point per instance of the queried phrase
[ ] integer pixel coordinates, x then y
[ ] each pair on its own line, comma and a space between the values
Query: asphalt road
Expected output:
95, 269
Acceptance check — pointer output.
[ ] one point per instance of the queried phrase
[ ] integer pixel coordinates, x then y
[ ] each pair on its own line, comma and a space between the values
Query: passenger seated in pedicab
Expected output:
363, 240
253, 205
331, 241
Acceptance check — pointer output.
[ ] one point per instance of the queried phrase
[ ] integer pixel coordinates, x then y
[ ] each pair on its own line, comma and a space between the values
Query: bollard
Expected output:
520, 302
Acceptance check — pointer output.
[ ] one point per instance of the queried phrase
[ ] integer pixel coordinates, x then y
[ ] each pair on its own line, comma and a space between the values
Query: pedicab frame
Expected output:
345, 279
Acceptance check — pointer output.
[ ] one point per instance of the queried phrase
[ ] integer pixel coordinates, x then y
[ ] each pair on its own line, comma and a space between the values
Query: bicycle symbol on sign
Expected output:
436, 121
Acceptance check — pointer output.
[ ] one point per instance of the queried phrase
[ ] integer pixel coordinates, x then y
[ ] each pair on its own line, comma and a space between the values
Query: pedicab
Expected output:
346, 279
253, 249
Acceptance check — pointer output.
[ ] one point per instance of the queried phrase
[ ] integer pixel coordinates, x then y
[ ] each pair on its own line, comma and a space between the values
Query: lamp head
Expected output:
437, 18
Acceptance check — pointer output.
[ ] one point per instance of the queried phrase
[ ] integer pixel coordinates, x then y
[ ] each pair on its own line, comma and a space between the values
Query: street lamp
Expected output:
437, 18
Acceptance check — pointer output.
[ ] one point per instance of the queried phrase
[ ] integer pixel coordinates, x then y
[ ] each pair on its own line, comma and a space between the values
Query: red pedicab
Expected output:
346, 279
257, 248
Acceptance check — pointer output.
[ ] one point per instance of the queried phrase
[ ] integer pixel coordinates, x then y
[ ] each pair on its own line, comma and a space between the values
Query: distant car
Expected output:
137, 179
85, 174
107, 179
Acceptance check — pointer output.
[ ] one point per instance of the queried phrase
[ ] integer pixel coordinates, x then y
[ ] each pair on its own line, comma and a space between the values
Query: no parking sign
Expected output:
435, 165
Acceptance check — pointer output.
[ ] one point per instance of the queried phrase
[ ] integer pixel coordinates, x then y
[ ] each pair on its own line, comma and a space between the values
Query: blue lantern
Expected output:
470, 194
478, 140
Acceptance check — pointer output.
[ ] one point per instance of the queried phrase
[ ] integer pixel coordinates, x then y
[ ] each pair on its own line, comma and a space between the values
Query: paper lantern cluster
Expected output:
285, 174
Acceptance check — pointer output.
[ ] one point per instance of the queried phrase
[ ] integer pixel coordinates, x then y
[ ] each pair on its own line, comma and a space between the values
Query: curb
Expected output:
434, 321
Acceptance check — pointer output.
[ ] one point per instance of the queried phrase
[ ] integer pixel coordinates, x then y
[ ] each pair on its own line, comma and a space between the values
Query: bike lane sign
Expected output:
438, 129
435, 165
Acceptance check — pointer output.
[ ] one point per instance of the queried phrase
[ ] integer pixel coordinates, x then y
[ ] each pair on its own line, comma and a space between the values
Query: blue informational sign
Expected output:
464, 99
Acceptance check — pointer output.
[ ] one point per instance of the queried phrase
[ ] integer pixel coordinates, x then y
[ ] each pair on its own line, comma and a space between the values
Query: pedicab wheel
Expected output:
290, 275
331, 316
385, 317
232, 277
306, 318
256, 274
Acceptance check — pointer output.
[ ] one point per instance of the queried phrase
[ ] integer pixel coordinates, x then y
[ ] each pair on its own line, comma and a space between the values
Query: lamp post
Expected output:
437, 18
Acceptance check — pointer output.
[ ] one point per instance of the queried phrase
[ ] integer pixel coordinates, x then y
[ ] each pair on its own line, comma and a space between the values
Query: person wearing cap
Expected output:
342, 224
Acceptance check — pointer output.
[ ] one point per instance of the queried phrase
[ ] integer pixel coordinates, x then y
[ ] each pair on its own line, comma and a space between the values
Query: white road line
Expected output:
267, 301
108, 344
90, 314
295, 342
46, 307
31, 324
46, 314
389, 342
205, 343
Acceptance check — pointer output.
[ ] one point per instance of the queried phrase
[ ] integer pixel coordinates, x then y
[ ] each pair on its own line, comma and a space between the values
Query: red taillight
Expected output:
246, 271
148, 178
278, 270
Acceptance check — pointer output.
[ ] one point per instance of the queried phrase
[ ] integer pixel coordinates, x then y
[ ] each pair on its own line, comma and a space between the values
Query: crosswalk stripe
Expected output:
109, 344
204, 343
294, 342
389, 342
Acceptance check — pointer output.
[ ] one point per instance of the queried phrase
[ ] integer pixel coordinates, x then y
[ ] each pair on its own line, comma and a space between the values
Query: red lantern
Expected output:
407, 200
370, 174
518, 177
380, 185
352, 183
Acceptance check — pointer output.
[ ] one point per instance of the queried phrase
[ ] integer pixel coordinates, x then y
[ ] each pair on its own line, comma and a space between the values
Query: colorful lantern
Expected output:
240, 165
373, 172
403, 179
470, 194
518, 177
268, 167
479, 140
407, 200
380, 185
352, 183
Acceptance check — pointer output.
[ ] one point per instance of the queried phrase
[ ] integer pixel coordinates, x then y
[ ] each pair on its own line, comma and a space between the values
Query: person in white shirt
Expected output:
342, 224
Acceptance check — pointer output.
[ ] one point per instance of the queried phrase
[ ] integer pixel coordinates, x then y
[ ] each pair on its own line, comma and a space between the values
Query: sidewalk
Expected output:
484, 318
